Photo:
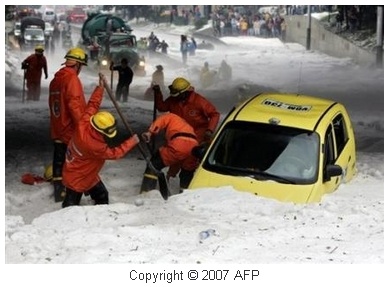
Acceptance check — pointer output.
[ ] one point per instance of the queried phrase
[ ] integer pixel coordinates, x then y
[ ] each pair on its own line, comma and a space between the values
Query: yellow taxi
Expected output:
289, 147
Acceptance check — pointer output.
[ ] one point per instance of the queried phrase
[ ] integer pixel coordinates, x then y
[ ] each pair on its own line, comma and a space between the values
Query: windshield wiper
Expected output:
261, 175
255, 174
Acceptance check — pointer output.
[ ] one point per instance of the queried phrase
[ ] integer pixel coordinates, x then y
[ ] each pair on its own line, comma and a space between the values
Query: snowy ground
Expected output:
254, 233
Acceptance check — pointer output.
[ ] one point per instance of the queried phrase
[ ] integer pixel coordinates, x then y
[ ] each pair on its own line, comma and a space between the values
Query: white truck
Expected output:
32, 32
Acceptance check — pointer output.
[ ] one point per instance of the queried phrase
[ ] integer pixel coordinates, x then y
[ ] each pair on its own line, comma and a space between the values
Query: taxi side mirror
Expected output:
332, 170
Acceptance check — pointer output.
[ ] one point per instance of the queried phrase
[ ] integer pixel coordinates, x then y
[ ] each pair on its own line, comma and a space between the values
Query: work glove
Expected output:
32, 179
24, 66
135, 138
208, 136
146, 136
200, 150
111, 65
45, 76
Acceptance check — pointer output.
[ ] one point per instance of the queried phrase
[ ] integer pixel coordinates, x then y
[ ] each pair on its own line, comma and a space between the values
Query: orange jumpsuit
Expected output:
66, 102
180, 140
195, 109
88, 151
34, 74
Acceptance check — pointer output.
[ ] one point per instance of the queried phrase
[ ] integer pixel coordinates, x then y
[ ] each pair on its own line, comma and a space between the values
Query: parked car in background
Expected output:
49, 29
24, 11
293, 148
49, 15
77, 15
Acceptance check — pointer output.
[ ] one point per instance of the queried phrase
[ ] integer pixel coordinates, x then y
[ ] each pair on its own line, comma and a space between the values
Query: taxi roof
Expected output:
293, 110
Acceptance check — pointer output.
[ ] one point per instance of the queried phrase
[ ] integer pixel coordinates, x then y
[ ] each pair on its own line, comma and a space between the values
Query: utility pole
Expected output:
379, 37
308, 31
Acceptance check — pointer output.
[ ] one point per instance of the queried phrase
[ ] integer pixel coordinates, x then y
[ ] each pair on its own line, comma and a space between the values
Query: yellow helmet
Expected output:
39, 48
179, 85
48, 175
105, 123
76, 55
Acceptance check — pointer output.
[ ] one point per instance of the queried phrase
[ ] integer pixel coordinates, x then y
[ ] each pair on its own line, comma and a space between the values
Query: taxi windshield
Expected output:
265, 151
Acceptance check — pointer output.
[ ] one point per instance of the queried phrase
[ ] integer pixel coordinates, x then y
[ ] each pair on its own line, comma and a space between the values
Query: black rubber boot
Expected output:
71, 198
149, 182
185, 177
99, 193
59, 191
58, 163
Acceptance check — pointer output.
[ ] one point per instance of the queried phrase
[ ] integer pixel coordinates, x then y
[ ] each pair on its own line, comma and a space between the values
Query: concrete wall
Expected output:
324, 41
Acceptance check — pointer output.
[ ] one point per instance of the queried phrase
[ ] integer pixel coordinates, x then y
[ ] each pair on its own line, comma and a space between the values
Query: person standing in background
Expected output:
184, 48
125, 79
158, 77
34, 64
164, 47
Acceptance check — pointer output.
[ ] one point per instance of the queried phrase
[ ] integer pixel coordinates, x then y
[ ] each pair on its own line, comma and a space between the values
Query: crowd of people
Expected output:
152, 44
230, 22
188, 46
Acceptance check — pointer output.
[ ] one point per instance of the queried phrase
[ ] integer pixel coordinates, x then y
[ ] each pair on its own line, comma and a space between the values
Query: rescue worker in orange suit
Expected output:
88, 150
34, 64
66, 103
192, 107
180, 139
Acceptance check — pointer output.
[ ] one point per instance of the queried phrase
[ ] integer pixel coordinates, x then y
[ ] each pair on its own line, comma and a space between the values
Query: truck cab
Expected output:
33, 35
115, 41
32, 32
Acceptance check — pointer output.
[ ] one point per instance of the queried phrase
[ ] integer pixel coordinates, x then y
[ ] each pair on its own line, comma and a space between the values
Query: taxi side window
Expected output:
341, 135
329, 148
